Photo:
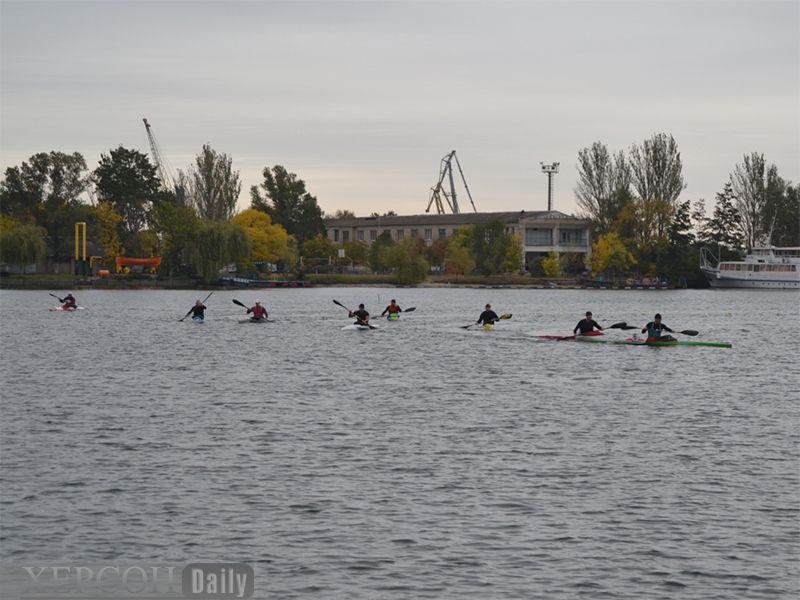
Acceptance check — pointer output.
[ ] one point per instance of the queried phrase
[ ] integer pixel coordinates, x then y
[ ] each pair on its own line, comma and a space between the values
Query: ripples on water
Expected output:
421, 460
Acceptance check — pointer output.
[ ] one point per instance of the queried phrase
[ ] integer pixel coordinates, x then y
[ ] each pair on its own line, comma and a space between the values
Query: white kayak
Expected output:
69, 309
356, 327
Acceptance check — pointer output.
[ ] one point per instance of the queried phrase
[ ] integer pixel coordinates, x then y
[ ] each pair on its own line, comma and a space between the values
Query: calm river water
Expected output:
420, 460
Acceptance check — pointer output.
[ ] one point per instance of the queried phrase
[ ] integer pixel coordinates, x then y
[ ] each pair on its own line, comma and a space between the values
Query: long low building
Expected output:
540, 231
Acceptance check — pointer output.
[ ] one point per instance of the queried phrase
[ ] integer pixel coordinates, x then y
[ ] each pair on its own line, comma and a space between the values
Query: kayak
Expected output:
254, 321
356, 327
197, 320
488, 326
67, 308
565, 338
393, 317
631, 342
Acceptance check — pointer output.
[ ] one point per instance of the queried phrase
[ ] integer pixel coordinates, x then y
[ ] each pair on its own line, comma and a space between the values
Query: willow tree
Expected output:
22, 244
213, 185
214, 244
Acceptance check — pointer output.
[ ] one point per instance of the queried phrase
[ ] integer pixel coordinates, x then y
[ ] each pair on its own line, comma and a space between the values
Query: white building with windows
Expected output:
540, 231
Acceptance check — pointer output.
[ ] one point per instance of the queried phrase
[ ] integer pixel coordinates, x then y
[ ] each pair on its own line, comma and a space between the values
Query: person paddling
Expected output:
393, 309
654, 329
361, 315
259, 312
488, 316
70, 302
587, 325
197, 311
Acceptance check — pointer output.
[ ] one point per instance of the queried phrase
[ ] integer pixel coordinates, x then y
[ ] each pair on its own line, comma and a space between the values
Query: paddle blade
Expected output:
342, 305
412, 309
506, 316
627, 327
621, 325
689, 332
240, 304
467, 326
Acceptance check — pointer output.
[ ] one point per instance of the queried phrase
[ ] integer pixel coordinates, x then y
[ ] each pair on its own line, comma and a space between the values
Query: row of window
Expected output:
399, 233
544, 237
533, 236
756, 268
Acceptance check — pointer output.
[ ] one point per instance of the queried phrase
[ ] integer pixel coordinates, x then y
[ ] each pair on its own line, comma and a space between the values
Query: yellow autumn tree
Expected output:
552, 264
107, 219
610, 254
270, 241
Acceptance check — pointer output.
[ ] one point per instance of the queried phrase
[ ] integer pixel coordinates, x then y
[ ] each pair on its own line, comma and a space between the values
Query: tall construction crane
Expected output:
162, 167
438, 192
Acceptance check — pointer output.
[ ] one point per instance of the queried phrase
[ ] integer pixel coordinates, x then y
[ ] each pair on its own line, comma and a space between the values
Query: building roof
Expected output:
447, 219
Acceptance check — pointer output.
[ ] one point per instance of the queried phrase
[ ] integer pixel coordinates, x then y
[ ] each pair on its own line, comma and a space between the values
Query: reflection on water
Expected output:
417, 460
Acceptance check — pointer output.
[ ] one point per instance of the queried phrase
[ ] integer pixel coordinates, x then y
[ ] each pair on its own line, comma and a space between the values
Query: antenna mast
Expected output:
438, 191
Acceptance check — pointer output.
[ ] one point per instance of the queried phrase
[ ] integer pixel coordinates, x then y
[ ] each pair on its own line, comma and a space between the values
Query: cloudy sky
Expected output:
362, 100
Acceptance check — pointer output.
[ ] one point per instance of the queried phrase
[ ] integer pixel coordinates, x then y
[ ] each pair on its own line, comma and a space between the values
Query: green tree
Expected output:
458, 260
286, 200
377, 258
490, 246
723, 229
176, 226
782, 212
47, 191
356, 251
108, 219
21, 244
750, 181
214, 245
405, 258
128, 180
213, 187
603, 185
657, 170
320, 246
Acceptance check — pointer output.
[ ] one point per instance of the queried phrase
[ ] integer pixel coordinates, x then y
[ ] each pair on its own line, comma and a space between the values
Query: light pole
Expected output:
550, 170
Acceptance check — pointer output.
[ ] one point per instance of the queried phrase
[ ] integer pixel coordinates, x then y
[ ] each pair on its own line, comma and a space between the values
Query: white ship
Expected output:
766, 267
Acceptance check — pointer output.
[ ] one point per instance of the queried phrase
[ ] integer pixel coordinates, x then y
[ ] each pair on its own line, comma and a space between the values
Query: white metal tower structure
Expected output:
438, 191
550, 170
162, 168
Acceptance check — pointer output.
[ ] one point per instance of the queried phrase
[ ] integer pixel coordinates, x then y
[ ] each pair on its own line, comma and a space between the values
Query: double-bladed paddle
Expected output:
203, 302
350, 311
505, 316
57, 298
408, 310
243, 305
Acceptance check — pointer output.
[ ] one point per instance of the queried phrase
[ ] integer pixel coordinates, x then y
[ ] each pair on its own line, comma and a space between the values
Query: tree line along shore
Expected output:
641, 226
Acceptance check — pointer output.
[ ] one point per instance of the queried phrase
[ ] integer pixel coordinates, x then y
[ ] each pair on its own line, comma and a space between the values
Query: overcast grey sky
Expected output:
363, 99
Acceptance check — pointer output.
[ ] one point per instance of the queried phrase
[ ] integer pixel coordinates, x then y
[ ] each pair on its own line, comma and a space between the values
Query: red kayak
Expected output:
69, 308
565, 338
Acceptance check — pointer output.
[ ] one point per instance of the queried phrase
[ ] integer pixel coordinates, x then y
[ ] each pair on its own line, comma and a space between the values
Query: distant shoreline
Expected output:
500, 282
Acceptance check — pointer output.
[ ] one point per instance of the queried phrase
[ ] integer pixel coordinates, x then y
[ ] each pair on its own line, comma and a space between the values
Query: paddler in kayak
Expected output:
587, 325
197, 311
393, 309
654, 329
488, 316
361, 315
259, 312
70, 302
